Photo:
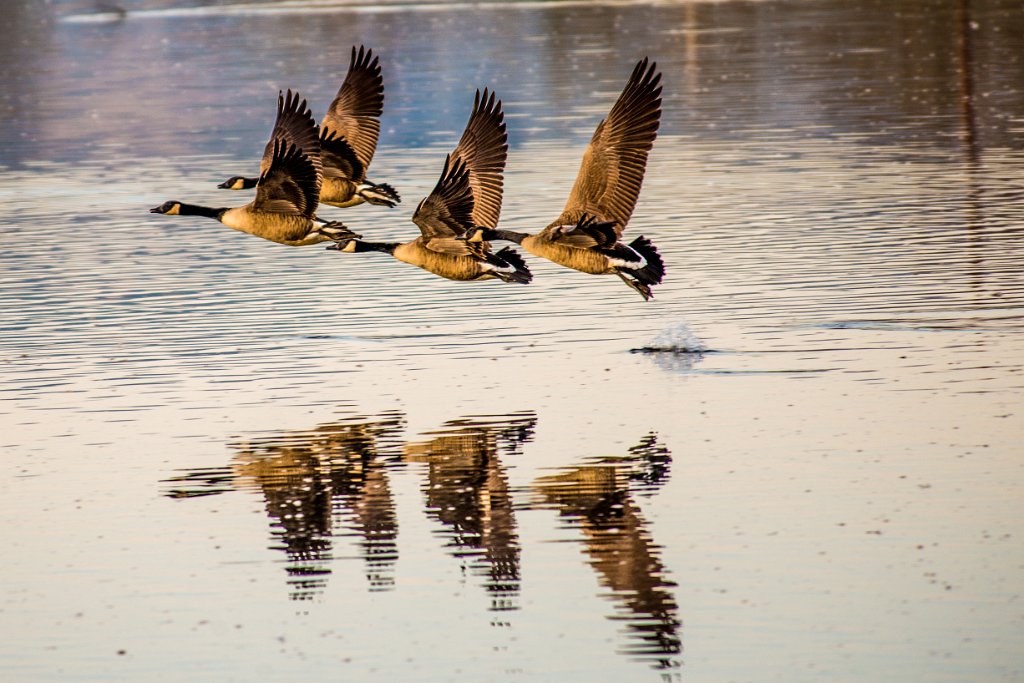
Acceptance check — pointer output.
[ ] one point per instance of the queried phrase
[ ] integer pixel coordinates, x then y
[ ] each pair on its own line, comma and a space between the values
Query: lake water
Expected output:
226, 459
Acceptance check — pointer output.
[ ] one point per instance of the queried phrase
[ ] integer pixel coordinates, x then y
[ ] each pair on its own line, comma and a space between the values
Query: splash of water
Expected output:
678, 339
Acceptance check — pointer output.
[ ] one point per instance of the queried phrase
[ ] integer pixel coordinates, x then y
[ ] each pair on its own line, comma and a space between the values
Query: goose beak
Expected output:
226, 185
155, 209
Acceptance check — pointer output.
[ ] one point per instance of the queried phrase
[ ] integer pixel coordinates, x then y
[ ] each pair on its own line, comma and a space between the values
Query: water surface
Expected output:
231, 460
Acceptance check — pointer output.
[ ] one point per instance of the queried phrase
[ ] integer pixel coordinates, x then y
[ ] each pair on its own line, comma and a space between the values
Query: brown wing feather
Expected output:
452, 246
586, 233
447, 211
355, 112
612, 170
484, 149
294, 125
291, 185
339, 159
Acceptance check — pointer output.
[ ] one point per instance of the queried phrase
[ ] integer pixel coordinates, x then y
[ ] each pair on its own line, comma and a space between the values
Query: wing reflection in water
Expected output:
334, 480
598, 498
312, 482
467, 491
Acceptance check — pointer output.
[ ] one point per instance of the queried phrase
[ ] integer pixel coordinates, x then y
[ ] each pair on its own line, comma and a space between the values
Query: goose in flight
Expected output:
288, 189
468, 192
586, 236
348, 139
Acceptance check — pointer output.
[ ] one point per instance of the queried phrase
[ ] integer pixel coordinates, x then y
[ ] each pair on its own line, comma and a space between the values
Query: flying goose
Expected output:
468, 191
287, 192
348, 139
586, 236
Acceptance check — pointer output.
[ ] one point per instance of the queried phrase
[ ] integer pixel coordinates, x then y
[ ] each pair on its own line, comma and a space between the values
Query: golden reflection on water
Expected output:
466, 489
334, 480
600, 499
837, 190
316, 485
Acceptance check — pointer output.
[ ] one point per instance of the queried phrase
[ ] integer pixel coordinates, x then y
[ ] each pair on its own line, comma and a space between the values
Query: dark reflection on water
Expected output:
467, 491
598, 498
317, 485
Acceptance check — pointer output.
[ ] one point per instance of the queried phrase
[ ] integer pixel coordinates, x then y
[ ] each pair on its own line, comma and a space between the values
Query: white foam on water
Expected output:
679, 338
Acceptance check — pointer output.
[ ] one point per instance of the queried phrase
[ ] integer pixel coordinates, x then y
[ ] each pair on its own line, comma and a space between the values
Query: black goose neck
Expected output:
509, 235
385, 247
196, 210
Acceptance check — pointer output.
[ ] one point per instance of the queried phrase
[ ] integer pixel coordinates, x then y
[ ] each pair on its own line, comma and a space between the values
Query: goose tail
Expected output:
653, 272
380, 194
515, 270
337, 231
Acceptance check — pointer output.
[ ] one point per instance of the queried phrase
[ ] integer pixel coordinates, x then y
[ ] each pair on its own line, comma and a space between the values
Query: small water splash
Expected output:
676, 339
675, 349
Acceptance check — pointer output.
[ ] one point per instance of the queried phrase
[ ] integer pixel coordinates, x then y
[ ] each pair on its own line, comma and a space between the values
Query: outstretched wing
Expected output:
448, 210
290, 185
612, 170
354, 115
484, 149
294, 125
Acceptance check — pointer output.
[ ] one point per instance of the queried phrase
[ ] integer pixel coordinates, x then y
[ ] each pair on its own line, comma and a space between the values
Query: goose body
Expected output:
287, 193
341, 192
469, 190
288, 229
586, 236
344, 192
450, 261
583, 260
348, 139
436, 257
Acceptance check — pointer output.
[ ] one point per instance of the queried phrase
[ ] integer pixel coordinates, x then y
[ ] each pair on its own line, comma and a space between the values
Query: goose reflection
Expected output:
599, 499
313, 481
467, 491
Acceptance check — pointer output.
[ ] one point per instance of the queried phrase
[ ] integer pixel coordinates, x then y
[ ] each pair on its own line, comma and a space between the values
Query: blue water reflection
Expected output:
160, 72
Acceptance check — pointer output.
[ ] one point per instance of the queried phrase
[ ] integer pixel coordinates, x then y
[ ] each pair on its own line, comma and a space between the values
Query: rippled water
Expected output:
232, 460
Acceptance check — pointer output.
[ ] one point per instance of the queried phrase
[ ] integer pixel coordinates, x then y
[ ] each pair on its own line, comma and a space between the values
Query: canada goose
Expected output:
469, 190
284, 210
348, 139
586, 236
